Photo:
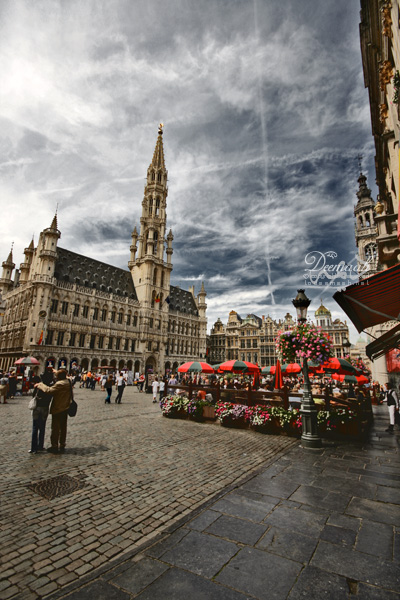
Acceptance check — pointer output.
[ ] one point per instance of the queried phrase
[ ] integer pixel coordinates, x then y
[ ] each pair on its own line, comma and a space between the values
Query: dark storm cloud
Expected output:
265, 112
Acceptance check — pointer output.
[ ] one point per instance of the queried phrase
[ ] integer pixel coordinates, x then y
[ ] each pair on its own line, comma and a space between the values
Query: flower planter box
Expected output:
209, 412
235, 423
178, 414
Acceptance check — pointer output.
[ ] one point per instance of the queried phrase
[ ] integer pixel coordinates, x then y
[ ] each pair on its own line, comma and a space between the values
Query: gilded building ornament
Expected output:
385, 74
386, 19
383, 112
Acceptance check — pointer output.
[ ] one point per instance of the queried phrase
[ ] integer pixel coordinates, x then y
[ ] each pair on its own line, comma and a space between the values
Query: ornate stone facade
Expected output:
253, 338
72, 310
380, 49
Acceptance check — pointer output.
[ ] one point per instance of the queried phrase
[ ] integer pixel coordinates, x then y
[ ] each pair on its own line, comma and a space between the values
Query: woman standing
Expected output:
40, 414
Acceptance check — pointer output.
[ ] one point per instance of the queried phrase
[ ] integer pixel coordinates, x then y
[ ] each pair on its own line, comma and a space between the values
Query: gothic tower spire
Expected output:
150, 270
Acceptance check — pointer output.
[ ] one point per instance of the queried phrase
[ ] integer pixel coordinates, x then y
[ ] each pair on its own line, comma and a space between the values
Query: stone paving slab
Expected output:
133, 475
279, 537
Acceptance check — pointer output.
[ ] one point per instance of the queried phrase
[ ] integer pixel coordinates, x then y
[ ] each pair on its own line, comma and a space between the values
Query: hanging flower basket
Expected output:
305, 341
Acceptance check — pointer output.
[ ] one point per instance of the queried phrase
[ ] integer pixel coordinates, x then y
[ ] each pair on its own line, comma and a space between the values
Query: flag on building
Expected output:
40, 340
157, 298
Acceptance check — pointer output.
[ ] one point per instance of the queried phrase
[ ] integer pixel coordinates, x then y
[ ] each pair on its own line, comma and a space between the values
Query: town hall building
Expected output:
69, 310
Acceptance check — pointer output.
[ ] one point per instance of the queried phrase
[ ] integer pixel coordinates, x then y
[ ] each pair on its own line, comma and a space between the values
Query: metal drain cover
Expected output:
57, 486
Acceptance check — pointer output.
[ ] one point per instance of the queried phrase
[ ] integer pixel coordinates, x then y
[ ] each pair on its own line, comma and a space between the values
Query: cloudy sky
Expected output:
265, 113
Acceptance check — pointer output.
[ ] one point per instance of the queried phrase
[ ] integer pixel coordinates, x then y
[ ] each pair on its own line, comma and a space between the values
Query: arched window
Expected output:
153, 176
367, 221
157, 207
150, 206
155, 246
162, 279
155, 277
159, 177
360, 221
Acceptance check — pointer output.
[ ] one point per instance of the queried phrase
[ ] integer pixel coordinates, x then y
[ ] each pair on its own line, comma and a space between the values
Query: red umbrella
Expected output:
195, 367
293, 368
338, 365
278, 376
27, 360
361, 379
239, 366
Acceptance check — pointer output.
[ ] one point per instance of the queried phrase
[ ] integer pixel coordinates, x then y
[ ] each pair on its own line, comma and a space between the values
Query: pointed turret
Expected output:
26, 265
5, 281
47, 248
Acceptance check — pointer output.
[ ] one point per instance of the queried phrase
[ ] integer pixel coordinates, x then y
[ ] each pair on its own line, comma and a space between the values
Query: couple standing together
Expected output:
60, 396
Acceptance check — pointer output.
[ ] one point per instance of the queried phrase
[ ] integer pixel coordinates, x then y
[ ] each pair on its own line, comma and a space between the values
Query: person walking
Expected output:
12, 385
141, 382
121, 383
62, 396
393, 406
108, 385
3, 388
161, 389
40, 413
154, 387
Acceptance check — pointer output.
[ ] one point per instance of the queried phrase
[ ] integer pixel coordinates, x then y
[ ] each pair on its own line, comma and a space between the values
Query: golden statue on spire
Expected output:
160, 128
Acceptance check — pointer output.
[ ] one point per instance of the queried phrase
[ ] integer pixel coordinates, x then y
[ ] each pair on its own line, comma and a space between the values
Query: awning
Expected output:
386, 342
373, 300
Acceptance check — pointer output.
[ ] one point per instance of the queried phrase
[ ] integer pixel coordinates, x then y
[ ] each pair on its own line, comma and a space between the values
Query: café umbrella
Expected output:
238, 366
196, 367
26, 361
278, 376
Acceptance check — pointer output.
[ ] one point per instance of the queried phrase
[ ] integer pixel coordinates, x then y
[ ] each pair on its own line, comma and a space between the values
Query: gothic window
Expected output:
110, 343
49, 337
101, 342
133, 343
118, 343
128, 319
72, 339
120, 317
162, 279
85, 311
113, 313
126, 347
153, 176
370, 252
104, 314
367, 221
60, 338
82, 340
155, 246
155, 277
159, 177
135, 320
150, 206
64, 308
360, 221
95, 314
54, 306
92, 341
153, 298
157, 207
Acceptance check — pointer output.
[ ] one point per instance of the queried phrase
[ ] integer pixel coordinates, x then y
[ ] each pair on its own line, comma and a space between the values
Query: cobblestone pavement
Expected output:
309, 524
131, 474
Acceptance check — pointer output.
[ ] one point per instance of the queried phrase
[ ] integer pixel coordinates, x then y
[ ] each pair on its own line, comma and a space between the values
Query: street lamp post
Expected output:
309, 436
